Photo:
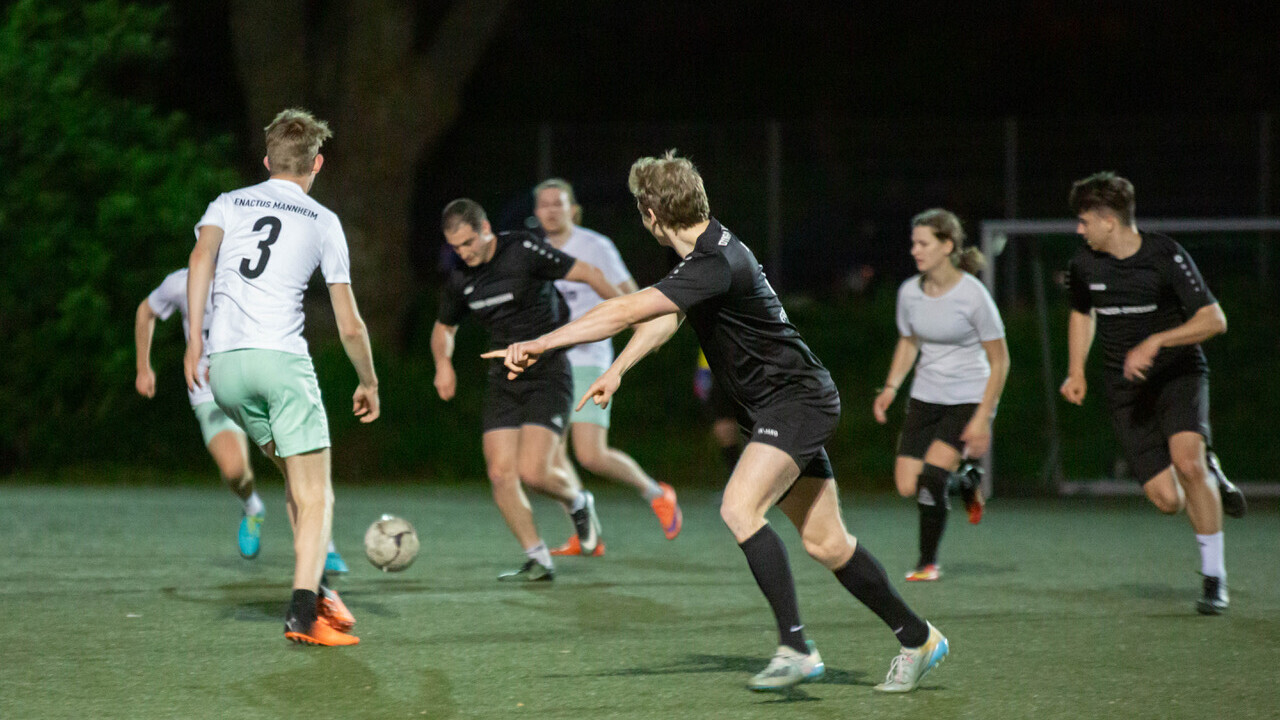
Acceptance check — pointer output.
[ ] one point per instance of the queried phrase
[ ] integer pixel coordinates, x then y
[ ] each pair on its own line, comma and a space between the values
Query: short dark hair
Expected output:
1103, 190
462, 210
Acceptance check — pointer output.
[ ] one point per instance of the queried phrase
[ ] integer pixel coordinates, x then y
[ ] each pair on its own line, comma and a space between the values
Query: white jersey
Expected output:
170, 296
952, 368
594, 249
275, 237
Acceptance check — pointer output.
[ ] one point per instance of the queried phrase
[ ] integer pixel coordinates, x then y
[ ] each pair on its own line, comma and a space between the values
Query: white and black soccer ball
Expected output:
391, 543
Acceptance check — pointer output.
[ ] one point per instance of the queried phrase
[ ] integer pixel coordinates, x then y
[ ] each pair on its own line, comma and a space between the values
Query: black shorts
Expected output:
543, 399
1146, 415
927, 422
800, 430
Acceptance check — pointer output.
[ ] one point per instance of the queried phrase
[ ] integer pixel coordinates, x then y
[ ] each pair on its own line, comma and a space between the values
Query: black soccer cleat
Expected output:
968, 479
531, 571
587, 524
1215, 599
1233, 502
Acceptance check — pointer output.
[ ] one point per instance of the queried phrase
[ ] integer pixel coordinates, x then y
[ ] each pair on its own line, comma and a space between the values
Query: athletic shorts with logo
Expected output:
928, 421
1146, 414
800, 429
274, 396
542, 398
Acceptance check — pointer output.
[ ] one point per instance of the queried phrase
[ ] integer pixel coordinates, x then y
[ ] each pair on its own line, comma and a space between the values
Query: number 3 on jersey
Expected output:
265, 246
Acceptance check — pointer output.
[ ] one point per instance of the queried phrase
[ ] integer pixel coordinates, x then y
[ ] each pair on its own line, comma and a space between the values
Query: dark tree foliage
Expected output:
98, 196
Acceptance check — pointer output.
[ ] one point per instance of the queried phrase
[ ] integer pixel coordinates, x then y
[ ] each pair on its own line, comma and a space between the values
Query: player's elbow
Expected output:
351, 329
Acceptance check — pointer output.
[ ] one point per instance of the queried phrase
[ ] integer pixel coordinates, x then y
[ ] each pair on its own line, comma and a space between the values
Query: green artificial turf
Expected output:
131, 602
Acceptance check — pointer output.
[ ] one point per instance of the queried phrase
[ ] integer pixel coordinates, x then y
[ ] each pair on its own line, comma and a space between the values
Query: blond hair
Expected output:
293, 141
672, 188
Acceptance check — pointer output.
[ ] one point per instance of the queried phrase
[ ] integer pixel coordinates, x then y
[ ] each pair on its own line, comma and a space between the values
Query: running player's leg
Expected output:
307, 479
501, 448
537, 470
761, 478
940, 461
1204, 510
591, 448
230, 451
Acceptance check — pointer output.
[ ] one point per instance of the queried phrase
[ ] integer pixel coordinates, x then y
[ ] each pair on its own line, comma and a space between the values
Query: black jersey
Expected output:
1155, 289
513, 295
753, 350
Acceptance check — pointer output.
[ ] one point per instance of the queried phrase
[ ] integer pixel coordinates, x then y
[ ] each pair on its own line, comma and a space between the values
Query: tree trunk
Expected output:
388, 96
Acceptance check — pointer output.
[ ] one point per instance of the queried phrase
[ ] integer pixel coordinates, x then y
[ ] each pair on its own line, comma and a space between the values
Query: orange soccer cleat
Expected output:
574, 547
330, 607
320, 633
668, 511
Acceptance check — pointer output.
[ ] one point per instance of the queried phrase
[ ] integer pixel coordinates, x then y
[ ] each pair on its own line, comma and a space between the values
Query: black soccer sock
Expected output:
933, 502
303, 607
866, 580
767, 557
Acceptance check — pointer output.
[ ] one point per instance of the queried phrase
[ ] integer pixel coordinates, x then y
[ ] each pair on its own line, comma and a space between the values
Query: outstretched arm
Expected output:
355, 340
144, 326
602, 321
649, 336
199, 277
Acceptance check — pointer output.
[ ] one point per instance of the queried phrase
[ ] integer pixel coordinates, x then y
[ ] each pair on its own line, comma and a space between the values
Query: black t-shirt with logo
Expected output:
756, 355
512, 295
1155, 289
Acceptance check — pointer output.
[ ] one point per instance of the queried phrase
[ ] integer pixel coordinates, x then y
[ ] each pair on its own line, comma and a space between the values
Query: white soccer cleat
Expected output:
910, 666
789, 668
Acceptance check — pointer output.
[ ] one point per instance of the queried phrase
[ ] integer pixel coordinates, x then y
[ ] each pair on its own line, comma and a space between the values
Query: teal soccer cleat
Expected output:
250, 535
333, 564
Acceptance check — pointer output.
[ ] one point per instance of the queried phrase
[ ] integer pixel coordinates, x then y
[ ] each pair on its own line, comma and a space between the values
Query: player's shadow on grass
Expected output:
981, 569
745, 666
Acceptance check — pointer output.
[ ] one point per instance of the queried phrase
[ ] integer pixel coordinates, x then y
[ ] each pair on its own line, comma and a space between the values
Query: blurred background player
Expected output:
506, 282
558, 213
265, 241
225, 440
719, 409
948, 320
1144, 296
788, 404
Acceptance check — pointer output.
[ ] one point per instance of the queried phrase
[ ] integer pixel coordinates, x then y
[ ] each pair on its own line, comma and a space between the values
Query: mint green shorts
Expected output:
274, 396
591, 412
213, 421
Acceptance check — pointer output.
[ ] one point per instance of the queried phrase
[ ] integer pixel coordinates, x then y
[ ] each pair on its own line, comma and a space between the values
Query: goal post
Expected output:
995, 235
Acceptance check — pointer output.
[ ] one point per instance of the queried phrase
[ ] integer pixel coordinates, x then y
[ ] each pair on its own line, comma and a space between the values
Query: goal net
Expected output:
1047, 444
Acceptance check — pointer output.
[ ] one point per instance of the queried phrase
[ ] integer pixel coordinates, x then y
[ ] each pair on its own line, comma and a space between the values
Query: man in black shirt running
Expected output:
785, 401
507, 284
1151, 309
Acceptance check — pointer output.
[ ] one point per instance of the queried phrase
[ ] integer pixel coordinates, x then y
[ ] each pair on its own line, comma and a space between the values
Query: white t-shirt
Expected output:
594, 249
276, 236
170, 296
952, 368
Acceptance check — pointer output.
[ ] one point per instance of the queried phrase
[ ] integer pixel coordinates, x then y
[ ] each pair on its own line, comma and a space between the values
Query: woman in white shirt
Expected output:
947, 319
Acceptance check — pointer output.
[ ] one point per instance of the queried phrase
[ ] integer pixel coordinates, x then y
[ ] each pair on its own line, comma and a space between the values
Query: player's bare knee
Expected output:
1190, 471
533, 474
831, 550
503, 476
1169, 503
739, 519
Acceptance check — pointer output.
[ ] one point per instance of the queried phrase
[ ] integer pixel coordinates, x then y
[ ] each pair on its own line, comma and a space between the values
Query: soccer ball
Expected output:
391, 544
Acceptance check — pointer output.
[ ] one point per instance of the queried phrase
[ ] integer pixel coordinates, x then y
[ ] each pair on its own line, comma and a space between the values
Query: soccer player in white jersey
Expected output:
224, 439
947, 318
554, 206
265, 241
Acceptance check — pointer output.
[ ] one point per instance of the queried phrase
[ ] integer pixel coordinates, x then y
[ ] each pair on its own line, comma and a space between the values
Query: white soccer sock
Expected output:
332, 549
578, 503
254, 506
653, 492
540, 554
1212, 561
